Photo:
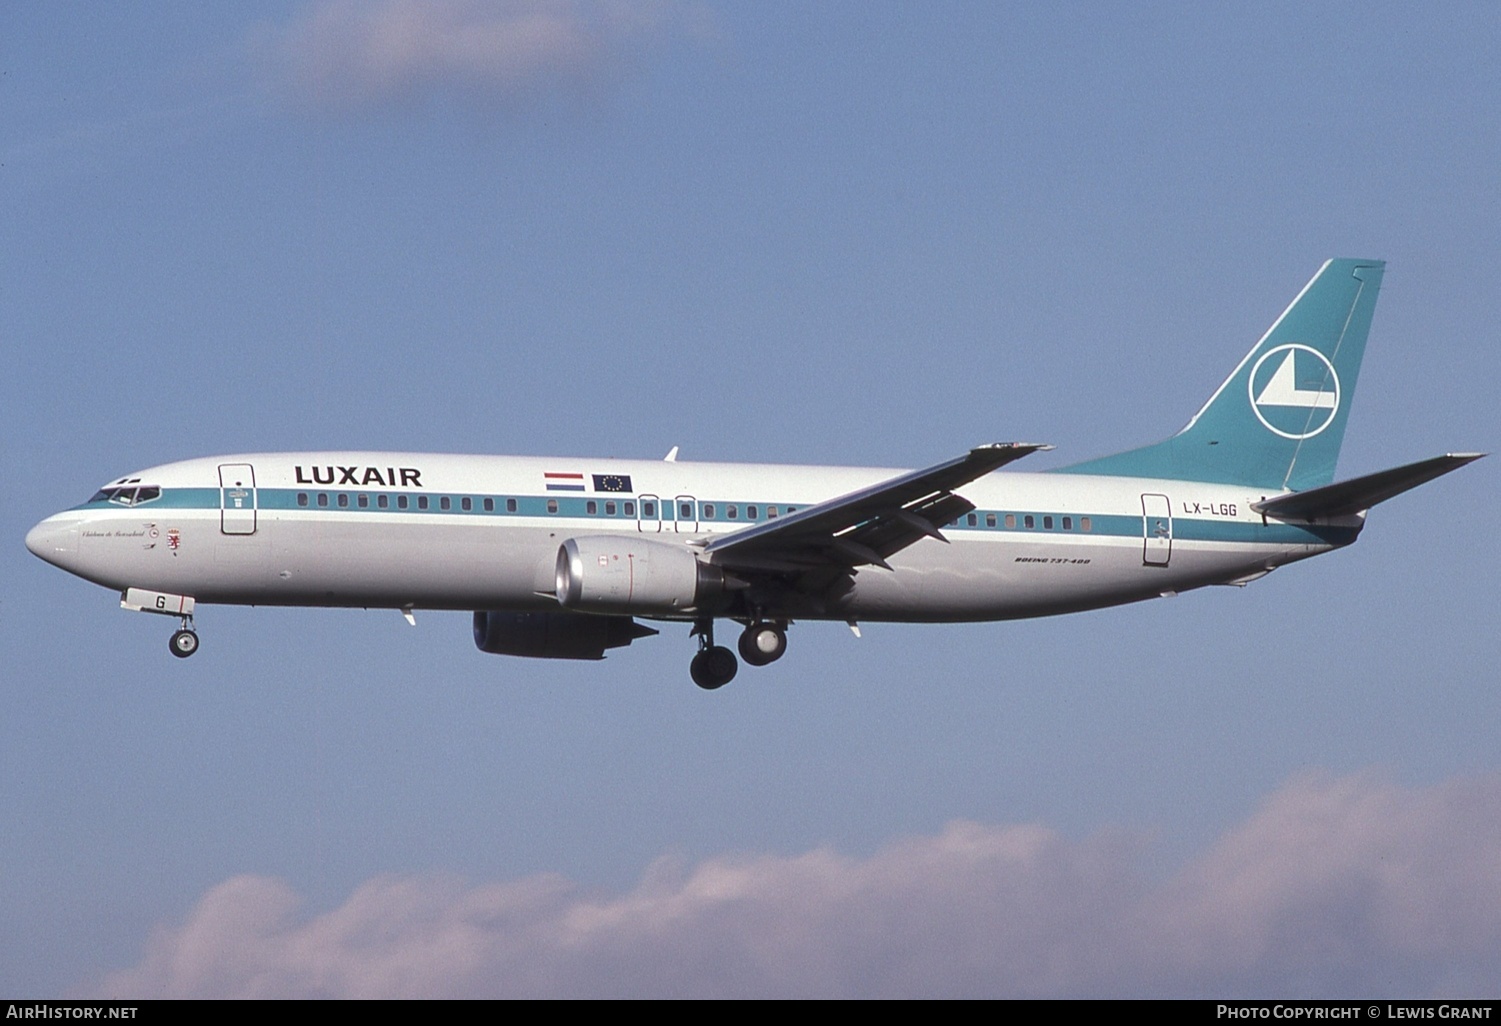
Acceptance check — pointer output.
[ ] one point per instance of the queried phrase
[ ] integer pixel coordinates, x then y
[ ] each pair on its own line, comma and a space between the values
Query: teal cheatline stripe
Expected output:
1270, 534
1278, 420
535, 507
1114, 526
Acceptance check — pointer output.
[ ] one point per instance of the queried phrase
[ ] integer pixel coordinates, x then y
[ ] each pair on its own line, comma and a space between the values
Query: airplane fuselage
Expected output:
424, 531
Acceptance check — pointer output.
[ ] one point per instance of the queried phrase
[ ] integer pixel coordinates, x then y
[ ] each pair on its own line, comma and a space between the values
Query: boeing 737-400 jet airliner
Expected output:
559, 557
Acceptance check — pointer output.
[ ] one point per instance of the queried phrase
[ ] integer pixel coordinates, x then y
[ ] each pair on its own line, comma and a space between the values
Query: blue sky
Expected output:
836, 233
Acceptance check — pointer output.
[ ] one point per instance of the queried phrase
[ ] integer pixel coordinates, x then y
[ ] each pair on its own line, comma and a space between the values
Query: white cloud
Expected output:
1335, 886
346, 54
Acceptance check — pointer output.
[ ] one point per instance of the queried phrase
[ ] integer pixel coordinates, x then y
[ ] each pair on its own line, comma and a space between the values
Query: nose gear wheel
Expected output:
183, 643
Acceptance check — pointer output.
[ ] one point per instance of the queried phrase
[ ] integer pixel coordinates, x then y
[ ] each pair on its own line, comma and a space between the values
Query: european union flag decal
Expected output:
612, 482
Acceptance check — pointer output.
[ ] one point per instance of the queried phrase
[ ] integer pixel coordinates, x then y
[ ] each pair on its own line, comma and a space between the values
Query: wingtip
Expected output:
1029, 446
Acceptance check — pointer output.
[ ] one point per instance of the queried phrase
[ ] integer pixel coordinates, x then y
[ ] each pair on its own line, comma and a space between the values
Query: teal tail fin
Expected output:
1278, 420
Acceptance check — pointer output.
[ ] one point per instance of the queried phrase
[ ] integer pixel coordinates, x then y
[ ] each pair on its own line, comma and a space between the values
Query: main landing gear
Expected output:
715, 665
762, 642
185, 641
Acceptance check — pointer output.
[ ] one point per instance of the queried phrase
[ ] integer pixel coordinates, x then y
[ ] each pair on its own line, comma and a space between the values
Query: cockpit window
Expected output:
128, 496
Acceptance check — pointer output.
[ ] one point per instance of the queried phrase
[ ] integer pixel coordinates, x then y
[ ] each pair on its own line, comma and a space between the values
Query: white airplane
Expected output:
559, 556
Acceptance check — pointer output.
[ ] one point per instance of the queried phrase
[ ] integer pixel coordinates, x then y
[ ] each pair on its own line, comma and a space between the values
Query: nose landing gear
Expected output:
185, 641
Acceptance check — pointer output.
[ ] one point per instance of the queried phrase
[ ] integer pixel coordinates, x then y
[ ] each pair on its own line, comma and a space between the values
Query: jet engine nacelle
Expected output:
554, 635
625, 574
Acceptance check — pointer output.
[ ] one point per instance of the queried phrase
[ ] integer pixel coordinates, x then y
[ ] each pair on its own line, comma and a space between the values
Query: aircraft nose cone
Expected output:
53, 539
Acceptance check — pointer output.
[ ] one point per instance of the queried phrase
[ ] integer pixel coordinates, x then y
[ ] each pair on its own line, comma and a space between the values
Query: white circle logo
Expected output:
1295, 395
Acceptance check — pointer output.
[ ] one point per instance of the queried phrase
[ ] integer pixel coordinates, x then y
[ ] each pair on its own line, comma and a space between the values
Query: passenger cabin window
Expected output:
733, 512
1084, 524
609, 509
1029, 522
364, 501
771, 512
591, 507
552, 505
1068, 523
649, 510
466, 503
343, 500
401, 502
444, 503
422, 502
383, 501
510, 505
323, 498
708, 511
972, 520
1010, 519
630, 509
750, 513
302, 498
489, 505
685, 511
1047, 523
989, 519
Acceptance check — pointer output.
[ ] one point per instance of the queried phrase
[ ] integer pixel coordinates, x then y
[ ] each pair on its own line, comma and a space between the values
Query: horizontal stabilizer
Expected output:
1361, 493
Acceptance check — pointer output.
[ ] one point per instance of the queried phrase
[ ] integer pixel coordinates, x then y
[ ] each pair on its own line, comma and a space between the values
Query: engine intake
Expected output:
624, 574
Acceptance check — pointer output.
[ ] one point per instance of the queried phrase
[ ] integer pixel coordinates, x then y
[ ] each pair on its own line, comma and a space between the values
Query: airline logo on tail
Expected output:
1294, 391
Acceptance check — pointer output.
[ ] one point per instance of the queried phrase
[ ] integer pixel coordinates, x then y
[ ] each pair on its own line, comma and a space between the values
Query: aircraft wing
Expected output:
1361, 493
867, 525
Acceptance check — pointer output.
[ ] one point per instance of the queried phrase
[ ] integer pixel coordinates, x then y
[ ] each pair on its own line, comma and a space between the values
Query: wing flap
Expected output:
890, 534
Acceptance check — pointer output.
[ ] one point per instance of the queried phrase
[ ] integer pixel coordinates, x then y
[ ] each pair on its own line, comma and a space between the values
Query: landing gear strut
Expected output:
762, 643
715, 665
185, 641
